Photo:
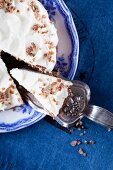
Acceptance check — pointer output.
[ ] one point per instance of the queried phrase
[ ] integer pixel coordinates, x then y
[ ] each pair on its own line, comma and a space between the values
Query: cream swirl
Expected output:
27, 33
49, 91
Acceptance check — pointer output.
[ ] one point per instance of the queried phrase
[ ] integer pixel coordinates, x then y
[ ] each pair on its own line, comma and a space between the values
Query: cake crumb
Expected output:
75, 143
109, 129
92, 142
86, 142
82, 152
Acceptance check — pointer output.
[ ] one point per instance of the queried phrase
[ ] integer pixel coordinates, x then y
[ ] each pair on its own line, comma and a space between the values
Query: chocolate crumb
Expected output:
86, 142
10, 79
92, 142
18, 10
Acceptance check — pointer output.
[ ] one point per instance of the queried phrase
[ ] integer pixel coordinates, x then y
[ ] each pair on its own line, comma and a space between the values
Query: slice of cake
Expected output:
50, 92
27, 33
9, 95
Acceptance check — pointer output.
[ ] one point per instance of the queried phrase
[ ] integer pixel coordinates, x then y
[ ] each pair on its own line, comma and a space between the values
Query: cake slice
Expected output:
27, 33
50, 92
9, 95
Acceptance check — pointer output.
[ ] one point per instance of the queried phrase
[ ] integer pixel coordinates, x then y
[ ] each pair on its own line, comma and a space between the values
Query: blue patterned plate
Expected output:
67, 61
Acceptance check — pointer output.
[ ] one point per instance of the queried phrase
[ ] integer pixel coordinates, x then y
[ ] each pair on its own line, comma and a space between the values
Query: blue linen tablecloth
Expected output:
43, 146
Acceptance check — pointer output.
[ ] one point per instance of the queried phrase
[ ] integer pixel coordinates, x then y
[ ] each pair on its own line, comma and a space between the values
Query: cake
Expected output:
27, 33
51, 92
9, 95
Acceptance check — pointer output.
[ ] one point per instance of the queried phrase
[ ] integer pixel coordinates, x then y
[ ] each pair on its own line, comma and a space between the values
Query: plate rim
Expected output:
73, 31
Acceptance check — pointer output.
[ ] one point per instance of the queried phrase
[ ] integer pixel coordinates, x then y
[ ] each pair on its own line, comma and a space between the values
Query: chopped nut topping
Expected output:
50, 45
8, 6
31, 50
1, 5
54, 83
12, 87
44, 32
57, 50
10, 79
33, 45
11, 91
49, 56
59, 80
34, 8
21, 0
5, 96
43, 16
28, 9
43, 26
44, 93
60, 87
55, 101
35, 27
44, 84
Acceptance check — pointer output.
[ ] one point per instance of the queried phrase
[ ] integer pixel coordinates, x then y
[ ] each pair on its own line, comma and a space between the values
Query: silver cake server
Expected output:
95, 113
79, 108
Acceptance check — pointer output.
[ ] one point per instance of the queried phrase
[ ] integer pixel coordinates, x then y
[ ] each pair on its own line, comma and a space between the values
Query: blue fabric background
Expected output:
43, 146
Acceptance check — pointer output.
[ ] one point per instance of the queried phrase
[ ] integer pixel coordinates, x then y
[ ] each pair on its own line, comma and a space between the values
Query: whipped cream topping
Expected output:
48, 90
9, 95
27, 33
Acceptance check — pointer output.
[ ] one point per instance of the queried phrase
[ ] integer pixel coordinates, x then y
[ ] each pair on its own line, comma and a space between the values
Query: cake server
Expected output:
95, 113
82, 95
